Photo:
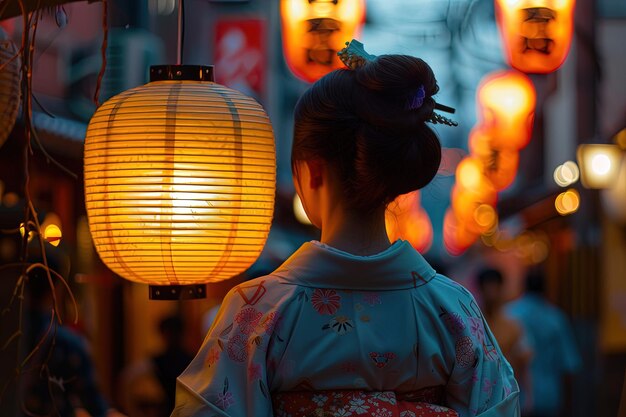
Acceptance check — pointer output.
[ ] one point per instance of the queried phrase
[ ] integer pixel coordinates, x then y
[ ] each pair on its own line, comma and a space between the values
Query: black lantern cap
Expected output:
177, 292
182, 73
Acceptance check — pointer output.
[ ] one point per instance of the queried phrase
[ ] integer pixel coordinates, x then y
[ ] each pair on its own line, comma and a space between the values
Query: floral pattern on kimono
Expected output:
328, 322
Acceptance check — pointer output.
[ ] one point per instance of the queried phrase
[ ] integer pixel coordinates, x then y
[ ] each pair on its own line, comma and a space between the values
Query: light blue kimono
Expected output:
329, 320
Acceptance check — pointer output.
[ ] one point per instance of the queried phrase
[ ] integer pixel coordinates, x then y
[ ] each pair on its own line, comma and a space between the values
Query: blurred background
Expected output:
579, 250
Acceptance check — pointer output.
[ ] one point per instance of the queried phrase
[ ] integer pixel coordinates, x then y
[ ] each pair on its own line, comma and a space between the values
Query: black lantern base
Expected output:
177, 292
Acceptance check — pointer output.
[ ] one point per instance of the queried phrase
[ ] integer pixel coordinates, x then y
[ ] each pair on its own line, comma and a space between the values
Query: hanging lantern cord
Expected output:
181, 31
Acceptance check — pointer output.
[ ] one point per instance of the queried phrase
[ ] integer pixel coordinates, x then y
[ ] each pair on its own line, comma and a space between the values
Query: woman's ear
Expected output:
316, 173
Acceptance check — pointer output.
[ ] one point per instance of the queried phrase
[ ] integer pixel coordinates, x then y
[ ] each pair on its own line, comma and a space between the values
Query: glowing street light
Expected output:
566, 174
599, 164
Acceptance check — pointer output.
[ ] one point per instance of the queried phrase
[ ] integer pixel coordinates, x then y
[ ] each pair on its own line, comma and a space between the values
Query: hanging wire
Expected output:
181, 32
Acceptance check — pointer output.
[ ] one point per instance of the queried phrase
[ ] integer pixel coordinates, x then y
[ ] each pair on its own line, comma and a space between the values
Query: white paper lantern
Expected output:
179, 179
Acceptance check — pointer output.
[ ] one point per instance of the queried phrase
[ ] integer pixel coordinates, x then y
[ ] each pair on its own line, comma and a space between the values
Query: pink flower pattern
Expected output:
465, 355
477, 329
225, 400
252, 328
248, 319
454, 323
326, 301
237, 348
354, 404
270, 322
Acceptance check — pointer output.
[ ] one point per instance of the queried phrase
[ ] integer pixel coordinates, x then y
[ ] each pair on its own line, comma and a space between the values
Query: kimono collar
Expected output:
320, 266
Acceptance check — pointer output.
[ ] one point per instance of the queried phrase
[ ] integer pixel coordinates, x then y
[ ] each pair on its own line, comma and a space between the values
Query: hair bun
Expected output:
360, 121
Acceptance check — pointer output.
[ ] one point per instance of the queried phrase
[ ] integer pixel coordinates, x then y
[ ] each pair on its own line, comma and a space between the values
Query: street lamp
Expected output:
599, 164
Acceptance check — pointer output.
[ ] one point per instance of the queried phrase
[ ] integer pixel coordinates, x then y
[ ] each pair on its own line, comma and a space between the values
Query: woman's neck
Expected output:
355, 233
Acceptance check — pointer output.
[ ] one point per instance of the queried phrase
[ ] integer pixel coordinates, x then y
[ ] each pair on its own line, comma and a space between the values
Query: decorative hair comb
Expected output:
354, 56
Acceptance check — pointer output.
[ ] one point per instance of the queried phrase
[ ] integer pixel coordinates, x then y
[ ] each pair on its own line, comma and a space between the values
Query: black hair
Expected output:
359, 123
488, 276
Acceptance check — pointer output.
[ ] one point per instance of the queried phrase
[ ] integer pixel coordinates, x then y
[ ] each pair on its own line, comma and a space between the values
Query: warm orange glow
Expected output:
456, 238
405, 219
314, 31
499, 165
620, 139
51, 229
567, 202
469, 173
506, 102
537, 34
485, 217
465, 202
52, 234
469, 207
179, 182
23, 230
599, 164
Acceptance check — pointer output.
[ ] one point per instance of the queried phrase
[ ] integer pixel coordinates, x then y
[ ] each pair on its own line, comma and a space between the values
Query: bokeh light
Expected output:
52, 234
567, 202
566, 174
599, 164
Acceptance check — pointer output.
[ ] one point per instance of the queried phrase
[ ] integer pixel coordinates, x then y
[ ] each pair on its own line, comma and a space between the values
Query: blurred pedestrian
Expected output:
148, 386
556, 358
60, 378
508, 331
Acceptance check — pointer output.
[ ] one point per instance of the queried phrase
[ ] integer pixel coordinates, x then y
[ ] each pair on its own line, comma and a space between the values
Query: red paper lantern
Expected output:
315, 30
537, 34
506, 103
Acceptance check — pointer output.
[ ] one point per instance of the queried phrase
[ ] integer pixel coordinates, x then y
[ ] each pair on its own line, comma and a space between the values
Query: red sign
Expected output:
240, 55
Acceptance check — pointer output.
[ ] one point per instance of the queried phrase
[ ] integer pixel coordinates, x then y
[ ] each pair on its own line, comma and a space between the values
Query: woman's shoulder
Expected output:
443, 293
270, 290
442, 284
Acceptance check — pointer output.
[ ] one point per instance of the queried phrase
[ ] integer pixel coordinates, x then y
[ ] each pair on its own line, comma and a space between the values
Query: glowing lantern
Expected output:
466, 203
179, 179
52, 234
9, 86
406, 219
506, 102
599, 165
315, 30
499, 165
470, 175
456, 237
51, 229
537, 34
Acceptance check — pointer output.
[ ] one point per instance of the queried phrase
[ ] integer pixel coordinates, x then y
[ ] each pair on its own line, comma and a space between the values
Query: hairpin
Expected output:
418, 98
354, 56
